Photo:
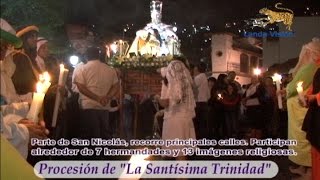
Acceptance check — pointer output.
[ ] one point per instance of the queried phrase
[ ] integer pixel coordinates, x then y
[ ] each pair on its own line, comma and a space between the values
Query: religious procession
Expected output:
160, 101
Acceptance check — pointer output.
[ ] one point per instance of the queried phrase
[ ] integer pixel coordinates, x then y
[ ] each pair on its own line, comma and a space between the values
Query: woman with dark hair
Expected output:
222, 82
252, 101
212, 82
270, 107
230, 100
217, 115
311, 124
212, 86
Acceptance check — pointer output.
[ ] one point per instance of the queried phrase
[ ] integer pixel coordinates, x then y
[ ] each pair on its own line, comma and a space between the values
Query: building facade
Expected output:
279, 50
233, 53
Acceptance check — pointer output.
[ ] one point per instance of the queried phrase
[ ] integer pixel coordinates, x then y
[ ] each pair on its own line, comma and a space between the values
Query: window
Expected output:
244, 63
254, 63
260, 62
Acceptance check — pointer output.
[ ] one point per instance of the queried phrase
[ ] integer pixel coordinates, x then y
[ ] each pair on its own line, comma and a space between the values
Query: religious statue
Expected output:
156, 38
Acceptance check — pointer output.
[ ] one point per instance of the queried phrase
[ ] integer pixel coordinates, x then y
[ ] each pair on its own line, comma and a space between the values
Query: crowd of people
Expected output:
229, 110
86, 98
195, 106
222, 108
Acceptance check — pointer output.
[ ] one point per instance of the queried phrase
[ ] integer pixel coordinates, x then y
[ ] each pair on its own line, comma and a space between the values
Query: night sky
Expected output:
109, 18
115, 14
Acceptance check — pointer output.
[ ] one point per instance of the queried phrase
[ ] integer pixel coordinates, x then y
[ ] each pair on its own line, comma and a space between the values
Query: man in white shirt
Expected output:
97, 84
76, 72
202, 97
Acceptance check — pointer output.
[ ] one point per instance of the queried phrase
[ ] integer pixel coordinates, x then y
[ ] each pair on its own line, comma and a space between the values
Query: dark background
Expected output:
108, 18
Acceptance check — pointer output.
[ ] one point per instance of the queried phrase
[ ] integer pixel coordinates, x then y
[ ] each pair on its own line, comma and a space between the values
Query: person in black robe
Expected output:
311, 124
26, 74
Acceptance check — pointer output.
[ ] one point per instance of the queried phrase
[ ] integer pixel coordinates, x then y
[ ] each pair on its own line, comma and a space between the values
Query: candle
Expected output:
63, 75
257, 72
126, 47
45, 78
37, 102
114, 47
120, 48
108, 51
300, 93
277, 78
220, 96
135, 161
173, 44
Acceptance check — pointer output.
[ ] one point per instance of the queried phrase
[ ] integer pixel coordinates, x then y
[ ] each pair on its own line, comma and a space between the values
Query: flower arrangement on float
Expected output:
117, 56
154, 46
143, 62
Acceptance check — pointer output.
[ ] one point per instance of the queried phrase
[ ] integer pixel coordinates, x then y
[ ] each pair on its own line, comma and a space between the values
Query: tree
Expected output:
48, 15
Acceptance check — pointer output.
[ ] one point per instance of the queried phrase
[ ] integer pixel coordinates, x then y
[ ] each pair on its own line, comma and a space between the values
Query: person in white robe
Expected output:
178, 100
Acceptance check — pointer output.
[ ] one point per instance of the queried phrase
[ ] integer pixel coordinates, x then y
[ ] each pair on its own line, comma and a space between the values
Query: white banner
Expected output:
138, 167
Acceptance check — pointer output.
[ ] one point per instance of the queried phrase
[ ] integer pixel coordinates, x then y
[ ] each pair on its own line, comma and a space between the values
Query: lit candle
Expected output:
135, 161
220, 96
63, 75
257, 72
300, 93
114, 47
37, 102
46, 81
277, 78
120, 48
173, 46
108, 51
126, 47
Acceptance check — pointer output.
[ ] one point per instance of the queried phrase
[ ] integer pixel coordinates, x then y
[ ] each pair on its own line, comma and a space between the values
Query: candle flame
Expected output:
299, 84
276, 77
46, 76
41, 78
299, 87
138, 158
61, 67
40, 87
114, 47
256, 71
